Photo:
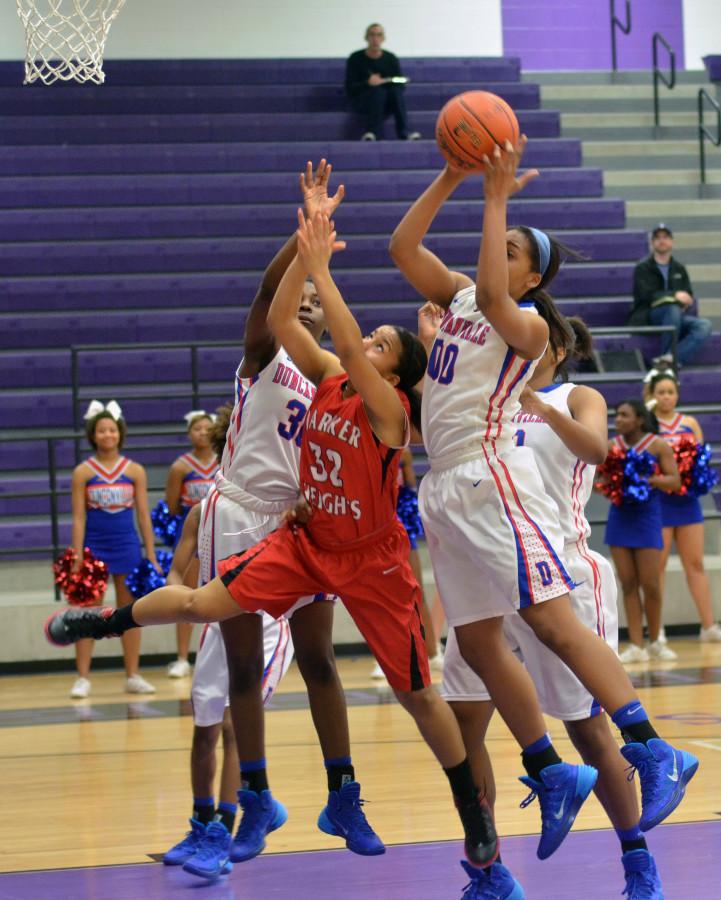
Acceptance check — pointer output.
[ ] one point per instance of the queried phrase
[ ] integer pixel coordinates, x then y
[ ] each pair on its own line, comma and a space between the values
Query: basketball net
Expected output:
65, 39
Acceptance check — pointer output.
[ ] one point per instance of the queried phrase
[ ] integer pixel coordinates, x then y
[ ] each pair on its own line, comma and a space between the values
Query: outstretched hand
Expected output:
317, 242
430, 316
314, 187
500, 175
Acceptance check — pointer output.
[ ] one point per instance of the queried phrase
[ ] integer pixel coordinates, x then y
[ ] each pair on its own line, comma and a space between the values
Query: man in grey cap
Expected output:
662, 295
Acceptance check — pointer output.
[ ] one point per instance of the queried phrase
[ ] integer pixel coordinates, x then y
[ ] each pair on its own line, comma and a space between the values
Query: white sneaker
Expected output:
712, 634
414, 136
662, 639
633, 653
657, 650
136, 684
378, 674
81, 689
179, 668
368, 136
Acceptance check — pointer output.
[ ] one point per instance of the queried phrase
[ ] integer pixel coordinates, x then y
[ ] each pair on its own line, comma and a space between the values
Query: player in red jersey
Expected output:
352, 542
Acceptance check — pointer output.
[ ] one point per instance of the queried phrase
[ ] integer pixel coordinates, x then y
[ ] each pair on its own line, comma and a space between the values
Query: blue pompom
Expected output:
166, 526
407, 510
145, 577
703, 477
637, 469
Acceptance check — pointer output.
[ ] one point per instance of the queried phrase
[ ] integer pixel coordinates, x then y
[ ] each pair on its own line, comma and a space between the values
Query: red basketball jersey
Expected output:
347, 475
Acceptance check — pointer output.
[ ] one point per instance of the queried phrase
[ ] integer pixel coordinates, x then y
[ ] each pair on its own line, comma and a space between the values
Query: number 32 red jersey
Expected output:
347, 475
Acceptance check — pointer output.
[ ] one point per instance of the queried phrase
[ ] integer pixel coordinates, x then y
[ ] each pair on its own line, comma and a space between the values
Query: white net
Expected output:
65, 39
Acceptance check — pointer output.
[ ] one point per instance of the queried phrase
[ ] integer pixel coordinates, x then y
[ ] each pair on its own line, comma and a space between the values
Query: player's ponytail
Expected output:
410, 370
220, 428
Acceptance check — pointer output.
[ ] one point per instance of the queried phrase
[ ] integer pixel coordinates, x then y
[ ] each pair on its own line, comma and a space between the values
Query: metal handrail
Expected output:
616, 23
704, 132
658, 74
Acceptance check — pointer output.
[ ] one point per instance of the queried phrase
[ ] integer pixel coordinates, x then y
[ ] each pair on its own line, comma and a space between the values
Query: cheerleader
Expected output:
189, 480
105, 490
493, 533
634, 533
682, 516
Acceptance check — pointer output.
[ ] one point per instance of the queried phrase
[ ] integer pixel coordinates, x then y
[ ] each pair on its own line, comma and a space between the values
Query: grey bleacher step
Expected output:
669, 103
619, 94
592, 77
661, 178
669, 191
609, 131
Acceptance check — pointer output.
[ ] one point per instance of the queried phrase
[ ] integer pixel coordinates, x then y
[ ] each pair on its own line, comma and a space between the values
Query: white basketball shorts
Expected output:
493, 536
560, 693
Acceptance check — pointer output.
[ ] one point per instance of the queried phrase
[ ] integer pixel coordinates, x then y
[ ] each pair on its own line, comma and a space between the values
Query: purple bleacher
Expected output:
258, 220
136, 159
133, 129
85, 258
146, 209
168, 190
697, 383
164, 100
713, 66
200, 72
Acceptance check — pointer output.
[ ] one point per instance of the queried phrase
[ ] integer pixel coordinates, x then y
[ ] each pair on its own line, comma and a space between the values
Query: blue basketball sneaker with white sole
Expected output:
642, 881
562, 791
492, 883
182, 851
262, 813
664, 773
343, 817
212, 858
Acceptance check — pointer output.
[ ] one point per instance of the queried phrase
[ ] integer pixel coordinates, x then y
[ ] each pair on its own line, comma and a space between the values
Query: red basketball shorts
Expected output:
373, 578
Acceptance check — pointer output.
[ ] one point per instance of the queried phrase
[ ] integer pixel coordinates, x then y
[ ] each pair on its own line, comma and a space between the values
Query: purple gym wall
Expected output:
576, 34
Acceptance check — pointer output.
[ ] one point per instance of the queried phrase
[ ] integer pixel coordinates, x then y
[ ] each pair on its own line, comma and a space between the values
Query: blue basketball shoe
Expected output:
562, 790
493, 883
343, 817
664, 773
642, 881
181, 852
212, 858
262, 813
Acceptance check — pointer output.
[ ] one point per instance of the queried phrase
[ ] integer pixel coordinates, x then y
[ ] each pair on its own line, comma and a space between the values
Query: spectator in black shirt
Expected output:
662, 295
371, 90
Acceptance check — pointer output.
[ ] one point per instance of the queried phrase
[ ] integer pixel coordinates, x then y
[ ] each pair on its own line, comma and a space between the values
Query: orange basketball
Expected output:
470, 125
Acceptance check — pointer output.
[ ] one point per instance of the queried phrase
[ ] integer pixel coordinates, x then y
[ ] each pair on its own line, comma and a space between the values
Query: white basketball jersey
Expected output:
472, 385
262, 446
567, 479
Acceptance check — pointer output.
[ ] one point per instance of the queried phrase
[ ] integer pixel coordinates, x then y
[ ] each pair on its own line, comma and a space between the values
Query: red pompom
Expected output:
86, 586
685, 450
611, 472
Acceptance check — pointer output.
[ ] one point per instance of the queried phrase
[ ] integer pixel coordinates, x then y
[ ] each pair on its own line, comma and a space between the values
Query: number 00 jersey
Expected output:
263, 440
347, 475
472, 386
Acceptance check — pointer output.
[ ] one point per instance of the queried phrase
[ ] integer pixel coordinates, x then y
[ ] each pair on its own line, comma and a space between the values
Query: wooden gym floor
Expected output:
105, 781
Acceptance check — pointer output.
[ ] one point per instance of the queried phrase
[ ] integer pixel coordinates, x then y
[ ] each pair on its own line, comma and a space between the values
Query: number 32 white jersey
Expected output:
472, 386
262, 447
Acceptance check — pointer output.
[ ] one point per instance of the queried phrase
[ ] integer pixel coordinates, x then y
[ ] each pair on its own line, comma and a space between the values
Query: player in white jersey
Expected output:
209, 697
555, 417
493, 534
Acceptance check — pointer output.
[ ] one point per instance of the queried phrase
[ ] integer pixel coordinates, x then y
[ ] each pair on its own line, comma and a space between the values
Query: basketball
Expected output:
470, 125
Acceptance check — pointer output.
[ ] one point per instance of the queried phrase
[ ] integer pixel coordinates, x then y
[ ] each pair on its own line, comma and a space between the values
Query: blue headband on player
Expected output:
544, 248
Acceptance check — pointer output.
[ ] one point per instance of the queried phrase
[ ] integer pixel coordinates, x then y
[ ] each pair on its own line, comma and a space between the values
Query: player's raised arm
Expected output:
260, 341
428, 274
317, 241
525, 333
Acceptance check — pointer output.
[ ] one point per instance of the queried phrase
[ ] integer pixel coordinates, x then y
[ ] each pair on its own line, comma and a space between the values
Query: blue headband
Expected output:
544, 248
